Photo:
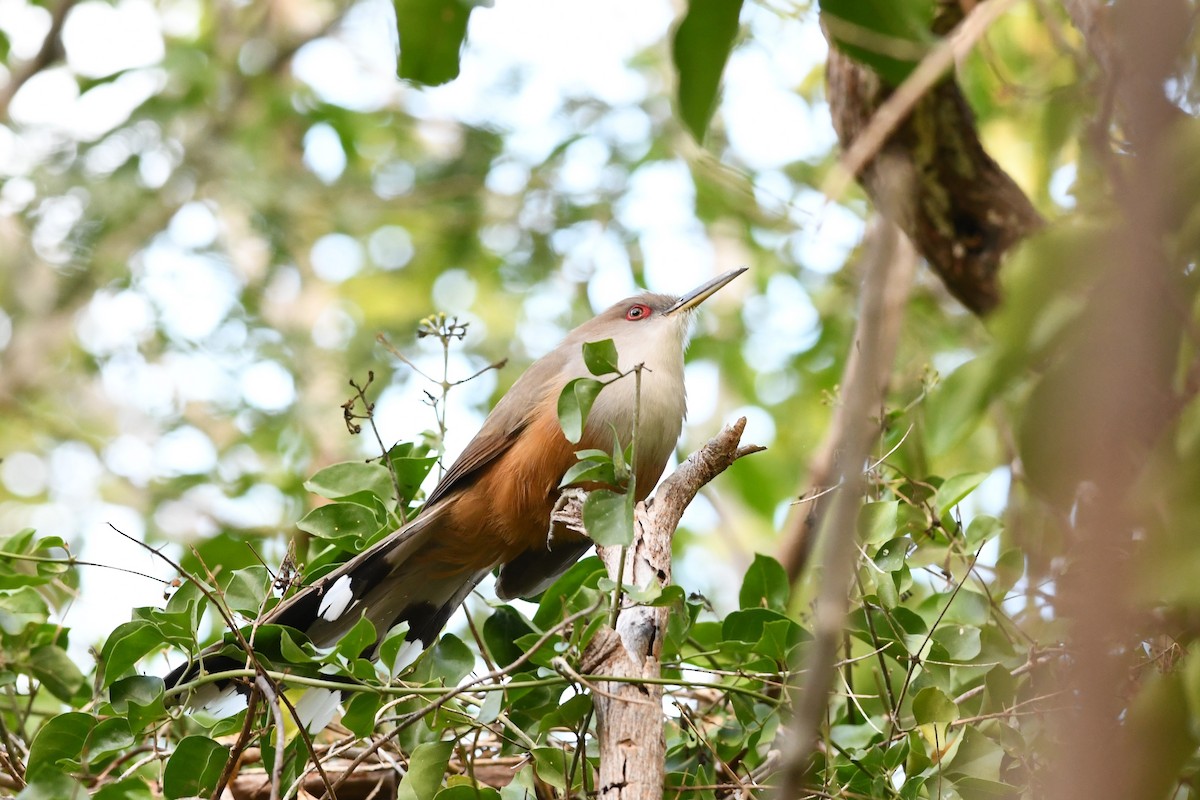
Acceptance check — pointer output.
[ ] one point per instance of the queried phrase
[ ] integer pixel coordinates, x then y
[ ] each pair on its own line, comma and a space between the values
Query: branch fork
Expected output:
629, 713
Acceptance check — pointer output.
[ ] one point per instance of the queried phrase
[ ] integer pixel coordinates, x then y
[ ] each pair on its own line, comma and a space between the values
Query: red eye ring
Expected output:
637, 311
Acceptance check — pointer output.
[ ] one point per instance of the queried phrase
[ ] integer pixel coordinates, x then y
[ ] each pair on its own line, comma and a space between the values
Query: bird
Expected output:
492, 508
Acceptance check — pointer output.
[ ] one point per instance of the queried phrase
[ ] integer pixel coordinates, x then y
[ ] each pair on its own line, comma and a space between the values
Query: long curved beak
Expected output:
701, 293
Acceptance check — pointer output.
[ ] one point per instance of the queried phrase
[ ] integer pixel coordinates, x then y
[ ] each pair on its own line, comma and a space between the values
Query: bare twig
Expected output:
450, 695
72, 561
444, 330
885, 293
227, 617
239, 746
268, 692
860, 399
909, 674
369, 415
11, 766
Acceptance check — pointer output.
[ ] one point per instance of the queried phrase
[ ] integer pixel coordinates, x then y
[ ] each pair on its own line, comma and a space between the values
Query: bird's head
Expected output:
650, 324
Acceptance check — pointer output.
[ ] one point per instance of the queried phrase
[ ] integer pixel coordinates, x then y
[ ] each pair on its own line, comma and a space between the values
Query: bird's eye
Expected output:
637, 311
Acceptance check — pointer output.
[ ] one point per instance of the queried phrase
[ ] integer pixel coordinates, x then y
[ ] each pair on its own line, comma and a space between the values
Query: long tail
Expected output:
397, 580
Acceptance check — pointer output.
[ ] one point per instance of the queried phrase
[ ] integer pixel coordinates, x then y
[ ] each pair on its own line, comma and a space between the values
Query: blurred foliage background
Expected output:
209, 211
191, 277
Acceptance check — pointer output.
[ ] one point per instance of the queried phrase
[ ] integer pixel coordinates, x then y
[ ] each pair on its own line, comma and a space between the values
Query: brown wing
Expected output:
505, 423
485, 448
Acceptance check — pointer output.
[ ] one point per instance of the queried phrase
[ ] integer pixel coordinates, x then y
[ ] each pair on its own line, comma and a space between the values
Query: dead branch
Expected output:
891, 264
860, 400
629, 714
959, 208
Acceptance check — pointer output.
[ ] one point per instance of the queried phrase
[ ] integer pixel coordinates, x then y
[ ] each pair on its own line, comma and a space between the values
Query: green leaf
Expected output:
654, 595
338, 522
1161, 727
340, 480
886, 591
620, 457
877, 521
550, 765
245, 589
20, 609
608, 518
110, 736
194, 768
19, 542
932, 705
491, 708
778, 637
124, 646
291, 650
591, 470
765, 585
360, 713
911, 790
890, 36
569, 714
543, 655
983, 789
1010, 566
467, 792
954, 489
750, 624
51, 665
61, 739
370, 501
522, 786
501, 631
411, 470
186, 606
139, 698
961, 642
999, 691
957, 404
891, 554
601, 357
983, 528
574, 403
129, 789
451, 660
967, 608
853, 737
425, 771
700, 49
15, 573
357, 639
556, 601
52, 784
432, 34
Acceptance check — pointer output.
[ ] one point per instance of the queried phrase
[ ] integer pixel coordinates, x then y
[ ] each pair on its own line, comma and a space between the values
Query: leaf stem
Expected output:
615, 608
631, 491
